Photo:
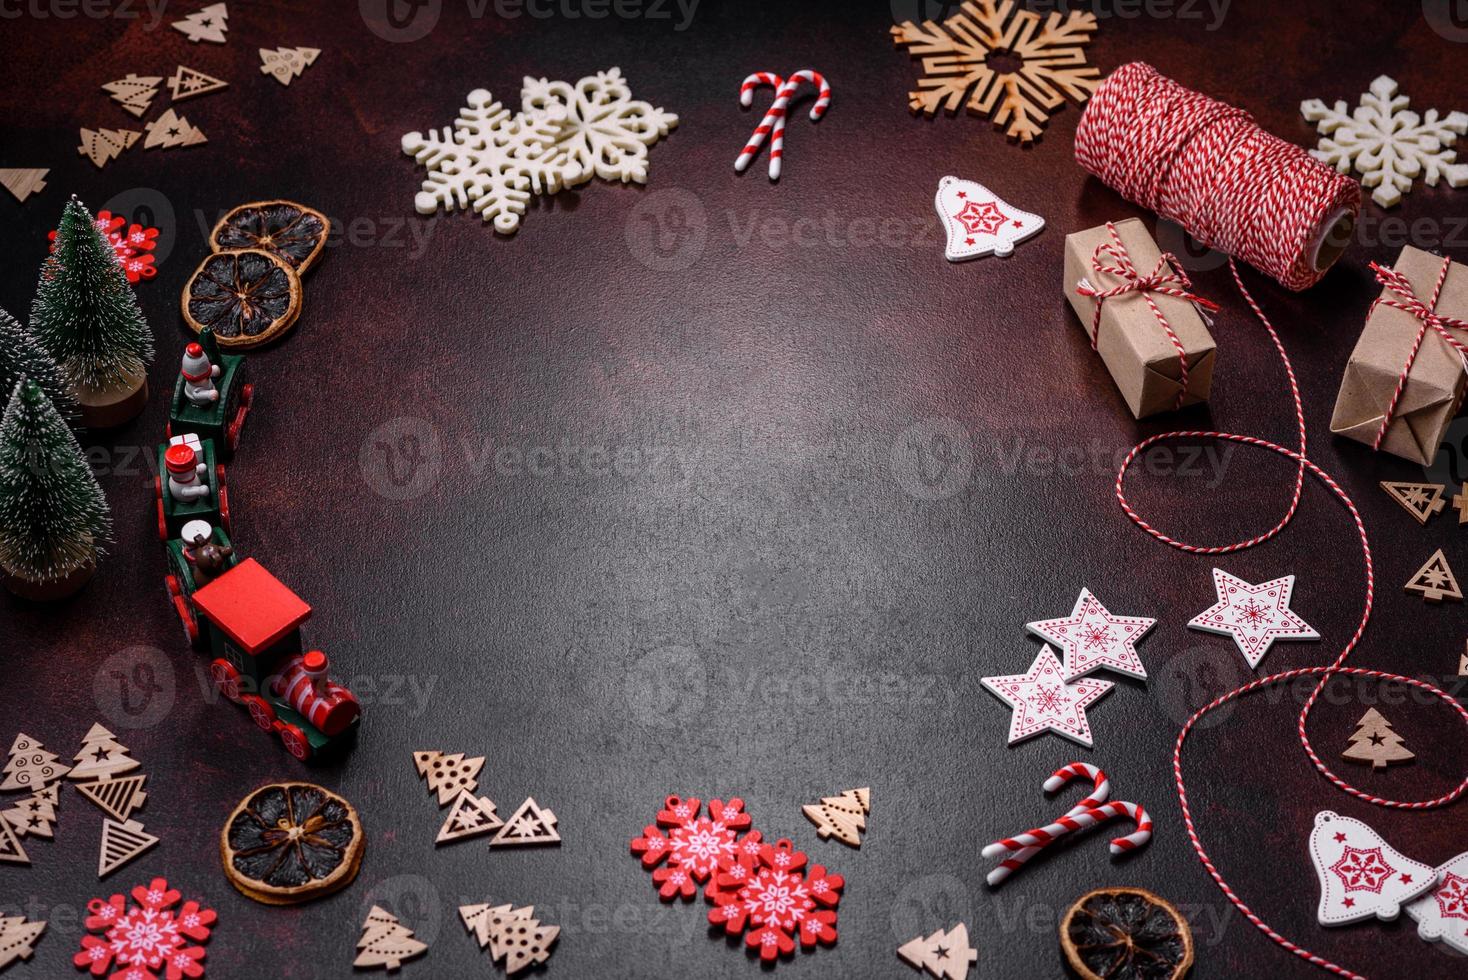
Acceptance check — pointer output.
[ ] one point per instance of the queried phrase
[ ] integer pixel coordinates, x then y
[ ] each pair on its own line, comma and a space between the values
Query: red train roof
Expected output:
253, 607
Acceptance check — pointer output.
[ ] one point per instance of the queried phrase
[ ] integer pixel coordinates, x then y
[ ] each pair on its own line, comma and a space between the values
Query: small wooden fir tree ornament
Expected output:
10, 850
1421, 500
286, 64
386, 942
118, 797
1375, 742
30, 766
101, 756
188, 82
471, 816
170, 130
35, 816
1460, 501
101, 146
1435, 580
529, 825
121, 843
946, 955
134, 93
209, 24
18, 939
448, 775
23, 181
510, 933
843, 817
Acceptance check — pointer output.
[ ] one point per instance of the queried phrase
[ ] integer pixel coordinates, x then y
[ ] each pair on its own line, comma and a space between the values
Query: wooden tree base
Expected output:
51, 590
107, 408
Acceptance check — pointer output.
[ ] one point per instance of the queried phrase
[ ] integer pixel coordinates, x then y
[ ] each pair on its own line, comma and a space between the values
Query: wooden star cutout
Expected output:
1044, 702
1254, 615
1092, 639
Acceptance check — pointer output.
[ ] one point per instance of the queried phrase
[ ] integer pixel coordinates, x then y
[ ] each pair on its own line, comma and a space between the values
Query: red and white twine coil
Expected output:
1210, 168
1205, 165
774, 120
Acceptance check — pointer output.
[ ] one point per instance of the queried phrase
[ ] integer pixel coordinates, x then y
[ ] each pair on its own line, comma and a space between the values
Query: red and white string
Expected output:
1196, 161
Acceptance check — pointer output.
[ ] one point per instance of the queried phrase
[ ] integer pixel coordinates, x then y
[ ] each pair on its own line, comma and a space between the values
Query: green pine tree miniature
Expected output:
22, 357
85, 313
52, 512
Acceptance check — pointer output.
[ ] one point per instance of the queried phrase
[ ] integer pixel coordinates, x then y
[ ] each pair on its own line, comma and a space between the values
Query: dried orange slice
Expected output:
1126, 934
292, 231
292, 842
248, 297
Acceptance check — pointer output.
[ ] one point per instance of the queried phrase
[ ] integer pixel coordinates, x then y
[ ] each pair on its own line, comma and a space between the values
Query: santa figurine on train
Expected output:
198, 376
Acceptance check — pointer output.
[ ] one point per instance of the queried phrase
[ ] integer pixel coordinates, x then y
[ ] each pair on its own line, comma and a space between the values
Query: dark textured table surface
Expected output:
723, 488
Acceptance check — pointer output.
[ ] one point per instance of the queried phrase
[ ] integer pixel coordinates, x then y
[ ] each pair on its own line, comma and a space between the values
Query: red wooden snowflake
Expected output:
147, 940
775, 901
133, 247
695, 845
1361, 869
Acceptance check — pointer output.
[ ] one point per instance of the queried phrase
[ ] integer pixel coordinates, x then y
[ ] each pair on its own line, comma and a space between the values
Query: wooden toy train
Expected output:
236, 610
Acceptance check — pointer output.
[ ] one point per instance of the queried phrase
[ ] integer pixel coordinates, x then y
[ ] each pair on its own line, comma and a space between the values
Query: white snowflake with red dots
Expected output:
776, 901
150, 940
694, 846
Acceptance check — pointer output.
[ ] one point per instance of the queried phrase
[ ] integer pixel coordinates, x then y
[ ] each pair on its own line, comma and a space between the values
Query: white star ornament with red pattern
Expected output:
1254, 615
1044, 702
980, 222
1092, 639
1360, 874
1442, 915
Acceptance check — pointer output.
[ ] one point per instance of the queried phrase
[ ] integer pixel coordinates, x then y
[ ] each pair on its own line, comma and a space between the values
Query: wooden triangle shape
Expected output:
10, 850
189, 82
1421, 500
1435, 580
121, 842
529, 825
119, 797
471, 816
23, 182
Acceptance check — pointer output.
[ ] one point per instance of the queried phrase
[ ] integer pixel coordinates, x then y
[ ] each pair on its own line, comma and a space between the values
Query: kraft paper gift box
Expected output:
1133, 344
1434, 389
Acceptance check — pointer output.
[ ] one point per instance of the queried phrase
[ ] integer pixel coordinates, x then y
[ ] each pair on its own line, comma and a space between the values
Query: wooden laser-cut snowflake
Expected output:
965, 58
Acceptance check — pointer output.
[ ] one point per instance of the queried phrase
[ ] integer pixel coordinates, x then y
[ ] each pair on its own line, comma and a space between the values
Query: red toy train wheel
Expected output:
223, 499
261, 711
162, 520
295, 742
227, 679
232, 434
183, 609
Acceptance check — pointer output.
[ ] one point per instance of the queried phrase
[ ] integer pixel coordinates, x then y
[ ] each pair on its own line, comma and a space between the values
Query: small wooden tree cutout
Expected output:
471, 816
18, 939
1421, 500
101, 146
170, 130
448, 775
121, 842
189, 82
947, 956
1435, 580
102, 756
36, 814
30, 765
386, 942
512, 933
529, 825
1375, 742
119, 797
10, 850
23, 182
210, 24
286, 64
134, 93
1460, 499
842, 817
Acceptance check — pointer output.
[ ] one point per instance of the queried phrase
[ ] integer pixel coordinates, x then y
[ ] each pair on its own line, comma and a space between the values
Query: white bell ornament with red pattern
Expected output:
1360, 874
1442, 914
980, 222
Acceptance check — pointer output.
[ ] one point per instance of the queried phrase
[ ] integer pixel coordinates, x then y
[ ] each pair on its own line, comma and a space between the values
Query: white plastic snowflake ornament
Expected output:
1044, 702
1360, 874
1092, 639
602, 130
1442, 915
979, 222
1387, 143
491, 161
1254, 615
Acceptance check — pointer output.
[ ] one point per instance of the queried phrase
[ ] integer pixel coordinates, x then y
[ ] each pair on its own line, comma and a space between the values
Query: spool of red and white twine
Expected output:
1207, 166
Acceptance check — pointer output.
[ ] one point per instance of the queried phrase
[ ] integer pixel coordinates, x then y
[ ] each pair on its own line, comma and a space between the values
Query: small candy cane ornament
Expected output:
1100, 793
774, 120
1041, 836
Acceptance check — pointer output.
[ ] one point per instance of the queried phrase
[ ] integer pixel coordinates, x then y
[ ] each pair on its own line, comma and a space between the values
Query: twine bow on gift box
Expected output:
1167, 278
1427, 316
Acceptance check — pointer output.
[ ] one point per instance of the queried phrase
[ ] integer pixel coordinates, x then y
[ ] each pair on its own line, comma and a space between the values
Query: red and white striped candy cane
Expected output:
774, 120
1100, 793
1068, 824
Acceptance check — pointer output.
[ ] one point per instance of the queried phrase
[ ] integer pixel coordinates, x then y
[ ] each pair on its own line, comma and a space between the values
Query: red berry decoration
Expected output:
150, 940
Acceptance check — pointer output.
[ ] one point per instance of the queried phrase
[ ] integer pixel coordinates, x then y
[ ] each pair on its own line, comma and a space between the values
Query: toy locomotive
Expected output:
244, 616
